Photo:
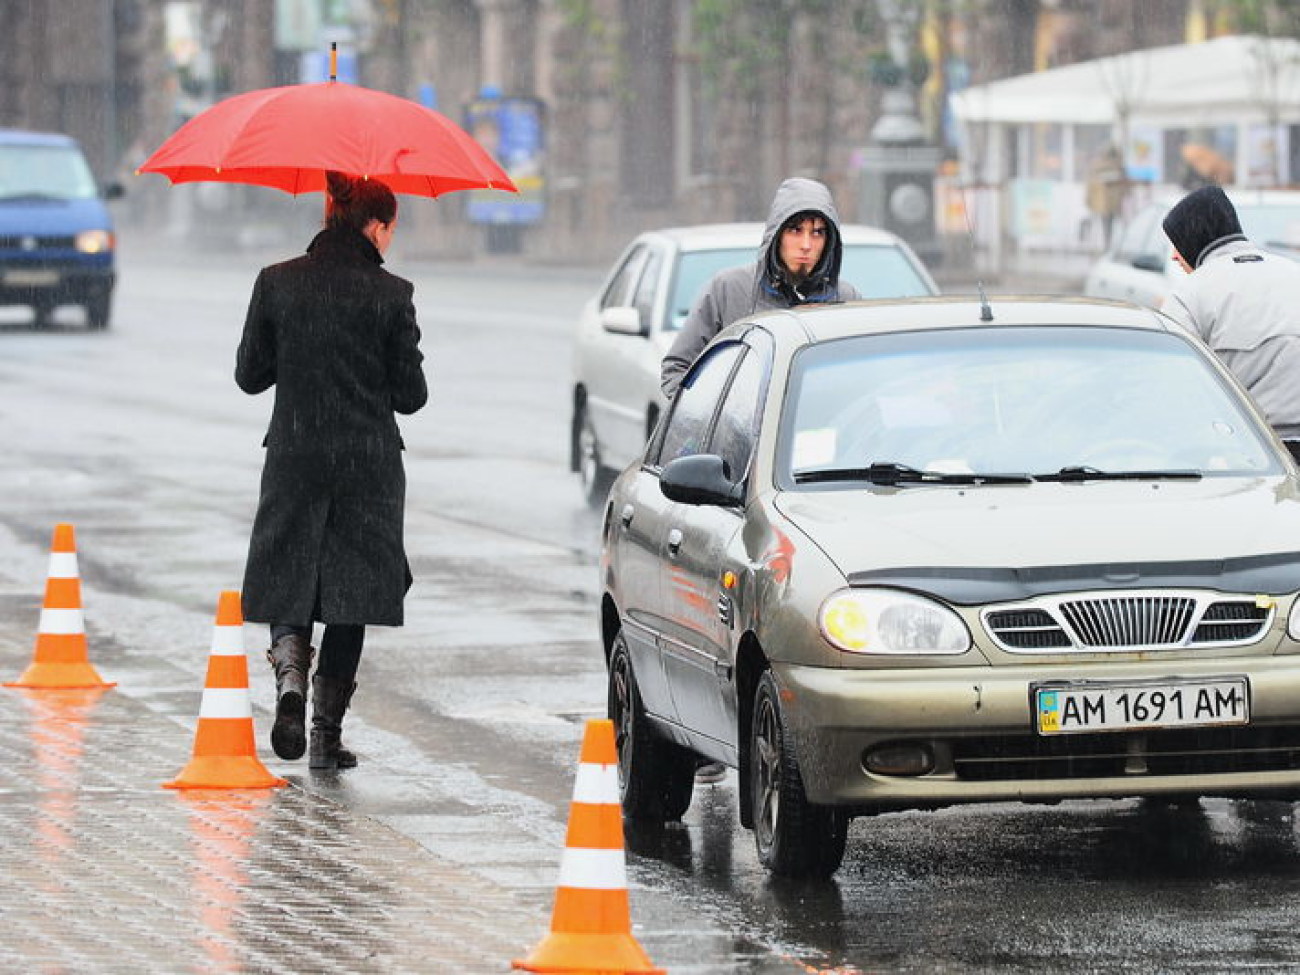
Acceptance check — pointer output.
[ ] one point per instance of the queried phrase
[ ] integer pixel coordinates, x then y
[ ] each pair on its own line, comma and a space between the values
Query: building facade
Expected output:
624, 114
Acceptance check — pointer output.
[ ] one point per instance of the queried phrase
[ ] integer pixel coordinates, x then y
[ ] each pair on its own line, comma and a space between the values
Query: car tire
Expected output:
656, 777
98, 311
593, 476
794, 838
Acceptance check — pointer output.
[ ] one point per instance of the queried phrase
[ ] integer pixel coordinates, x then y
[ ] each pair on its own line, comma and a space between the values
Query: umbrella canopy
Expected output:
288, 137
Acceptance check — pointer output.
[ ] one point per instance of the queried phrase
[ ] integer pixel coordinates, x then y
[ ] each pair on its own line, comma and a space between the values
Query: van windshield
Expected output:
44, 172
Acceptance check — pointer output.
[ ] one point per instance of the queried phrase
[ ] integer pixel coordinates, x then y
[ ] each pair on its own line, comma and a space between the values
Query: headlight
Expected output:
94, 241
1293, 621
887, 621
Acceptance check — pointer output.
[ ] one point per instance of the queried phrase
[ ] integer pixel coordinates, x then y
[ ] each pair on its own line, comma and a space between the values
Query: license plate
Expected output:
22, 278
1074, 708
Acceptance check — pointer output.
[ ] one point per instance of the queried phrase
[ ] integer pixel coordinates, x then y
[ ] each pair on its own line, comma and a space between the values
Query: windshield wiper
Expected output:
24, 197
889, 472
1084, 473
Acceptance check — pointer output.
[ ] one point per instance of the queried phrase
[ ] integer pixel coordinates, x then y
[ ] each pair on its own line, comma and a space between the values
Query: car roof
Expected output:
720, 236
1239, 195
820, 323
22, 137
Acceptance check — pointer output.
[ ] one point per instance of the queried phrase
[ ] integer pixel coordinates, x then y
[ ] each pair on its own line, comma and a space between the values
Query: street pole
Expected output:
111, 150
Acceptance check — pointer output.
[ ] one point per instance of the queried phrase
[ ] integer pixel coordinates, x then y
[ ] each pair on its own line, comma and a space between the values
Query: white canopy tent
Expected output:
1238, 79
1026, 141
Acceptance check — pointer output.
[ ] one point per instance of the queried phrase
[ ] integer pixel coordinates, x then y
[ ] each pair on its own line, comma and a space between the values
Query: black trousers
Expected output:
340, 647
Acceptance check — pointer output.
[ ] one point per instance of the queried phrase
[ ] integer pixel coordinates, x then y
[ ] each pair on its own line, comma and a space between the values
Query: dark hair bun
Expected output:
341, 187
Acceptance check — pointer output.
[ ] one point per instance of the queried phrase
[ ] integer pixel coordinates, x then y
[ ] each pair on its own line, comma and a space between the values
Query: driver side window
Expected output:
736, 431
687, 429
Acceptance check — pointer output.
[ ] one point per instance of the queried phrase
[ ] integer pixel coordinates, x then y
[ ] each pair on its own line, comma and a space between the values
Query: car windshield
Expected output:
1059, 402
876, 270
44, 172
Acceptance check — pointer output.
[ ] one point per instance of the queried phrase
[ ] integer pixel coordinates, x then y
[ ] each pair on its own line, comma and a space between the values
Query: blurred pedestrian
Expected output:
1244, 302
336, 335
1105, 189
1203, 166
798, 264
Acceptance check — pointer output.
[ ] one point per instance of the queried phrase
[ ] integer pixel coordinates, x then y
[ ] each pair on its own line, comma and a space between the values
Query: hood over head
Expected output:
1201, 221
794, 197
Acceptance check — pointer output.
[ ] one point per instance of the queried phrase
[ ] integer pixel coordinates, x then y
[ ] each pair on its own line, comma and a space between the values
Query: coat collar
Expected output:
344, 241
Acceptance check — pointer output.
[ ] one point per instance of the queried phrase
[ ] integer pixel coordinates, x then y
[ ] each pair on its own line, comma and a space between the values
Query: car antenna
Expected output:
986, 310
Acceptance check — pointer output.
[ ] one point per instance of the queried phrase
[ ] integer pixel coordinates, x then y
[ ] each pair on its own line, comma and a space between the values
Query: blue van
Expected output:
56, 236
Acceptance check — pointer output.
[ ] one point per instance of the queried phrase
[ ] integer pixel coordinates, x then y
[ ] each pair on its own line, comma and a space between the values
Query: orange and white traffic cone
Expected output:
60, 658
591, 925
225, 756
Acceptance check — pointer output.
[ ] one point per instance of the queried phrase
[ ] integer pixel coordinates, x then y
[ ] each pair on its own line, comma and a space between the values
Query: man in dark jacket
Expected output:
336, 335
798, 264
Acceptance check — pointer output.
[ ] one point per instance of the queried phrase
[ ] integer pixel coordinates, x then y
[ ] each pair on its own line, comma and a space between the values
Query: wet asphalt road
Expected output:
468, 718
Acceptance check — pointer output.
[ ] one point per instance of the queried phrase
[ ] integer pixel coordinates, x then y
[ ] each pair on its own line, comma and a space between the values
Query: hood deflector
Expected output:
970, 586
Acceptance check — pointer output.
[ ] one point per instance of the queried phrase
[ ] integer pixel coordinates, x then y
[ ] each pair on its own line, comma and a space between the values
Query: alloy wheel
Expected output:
767, 772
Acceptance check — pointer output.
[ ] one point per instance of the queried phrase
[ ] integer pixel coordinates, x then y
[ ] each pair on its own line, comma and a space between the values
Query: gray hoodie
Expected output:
739, 291
1242, 301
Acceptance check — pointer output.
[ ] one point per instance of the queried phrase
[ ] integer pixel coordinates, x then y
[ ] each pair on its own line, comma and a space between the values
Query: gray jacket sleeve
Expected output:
704, 322
1175, 306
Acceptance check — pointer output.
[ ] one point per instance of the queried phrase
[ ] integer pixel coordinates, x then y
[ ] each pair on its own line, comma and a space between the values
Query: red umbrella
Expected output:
288, 137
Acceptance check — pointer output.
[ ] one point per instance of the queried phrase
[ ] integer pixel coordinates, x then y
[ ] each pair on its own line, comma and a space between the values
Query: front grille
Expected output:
1127, 621
1177, 751
1027, 629
1231, 622
11, 242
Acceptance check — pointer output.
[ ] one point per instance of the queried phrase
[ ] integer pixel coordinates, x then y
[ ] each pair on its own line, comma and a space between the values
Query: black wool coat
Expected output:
335, 334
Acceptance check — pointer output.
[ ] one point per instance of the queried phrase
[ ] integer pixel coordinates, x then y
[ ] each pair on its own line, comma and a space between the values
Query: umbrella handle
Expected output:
334, 60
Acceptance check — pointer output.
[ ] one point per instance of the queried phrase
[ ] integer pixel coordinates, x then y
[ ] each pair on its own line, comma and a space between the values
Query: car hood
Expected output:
52, 218
1091, 535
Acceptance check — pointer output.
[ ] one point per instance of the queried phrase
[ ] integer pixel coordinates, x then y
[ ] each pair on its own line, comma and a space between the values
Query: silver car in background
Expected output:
626, 329
1139, 266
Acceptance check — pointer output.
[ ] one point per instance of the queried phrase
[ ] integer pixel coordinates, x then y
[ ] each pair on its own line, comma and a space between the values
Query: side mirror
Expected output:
1149, 262
700, 479
113, 190
621, 320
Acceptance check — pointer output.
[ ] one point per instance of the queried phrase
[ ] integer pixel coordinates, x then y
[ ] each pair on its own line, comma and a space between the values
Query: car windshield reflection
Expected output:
876, 270
1001, 405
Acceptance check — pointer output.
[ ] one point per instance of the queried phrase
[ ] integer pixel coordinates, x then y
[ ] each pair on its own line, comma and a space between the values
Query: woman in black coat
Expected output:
336, 335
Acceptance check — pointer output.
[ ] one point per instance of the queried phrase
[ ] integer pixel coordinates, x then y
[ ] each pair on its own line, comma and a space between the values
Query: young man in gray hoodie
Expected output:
798, 264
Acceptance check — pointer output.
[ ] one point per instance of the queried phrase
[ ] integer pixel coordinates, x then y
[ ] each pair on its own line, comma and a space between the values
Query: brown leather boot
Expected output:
290, 658
329, 702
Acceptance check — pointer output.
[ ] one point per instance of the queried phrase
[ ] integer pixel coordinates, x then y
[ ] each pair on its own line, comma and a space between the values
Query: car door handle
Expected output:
674, 541
625, 516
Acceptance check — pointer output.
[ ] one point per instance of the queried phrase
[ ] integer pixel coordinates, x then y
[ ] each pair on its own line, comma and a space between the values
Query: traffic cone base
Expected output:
225, 772
225, 752
78, 675
60, 659
561, 953
591, 924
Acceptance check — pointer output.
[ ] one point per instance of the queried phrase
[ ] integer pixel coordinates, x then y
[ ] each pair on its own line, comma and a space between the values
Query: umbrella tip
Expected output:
334, 60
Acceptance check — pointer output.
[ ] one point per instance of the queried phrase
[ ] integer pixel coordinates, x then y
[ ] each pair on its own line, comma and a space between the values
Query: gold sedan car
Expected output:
893, 555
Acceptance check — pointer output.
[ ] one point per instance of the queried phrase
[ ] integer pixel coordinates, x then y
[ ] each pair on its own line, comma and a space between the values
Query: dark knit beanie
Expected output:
1200, 221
